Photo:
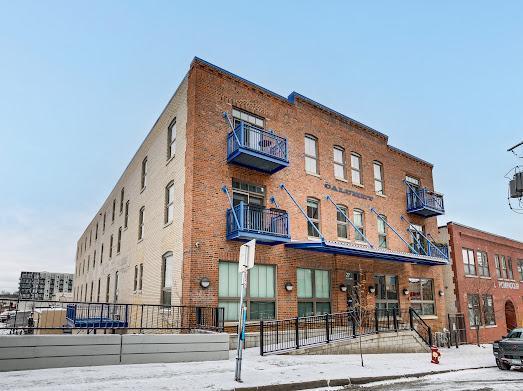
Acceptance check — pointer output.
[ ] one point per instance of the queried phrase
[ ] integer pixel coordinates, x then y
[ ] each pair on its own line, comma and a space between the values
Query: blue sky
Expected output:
81, 83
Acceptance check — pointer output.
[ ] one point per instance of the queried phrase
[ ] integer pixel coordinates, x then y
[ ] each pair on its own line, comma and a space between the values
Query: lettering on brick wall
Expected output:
508, 285
353, 193
250, 105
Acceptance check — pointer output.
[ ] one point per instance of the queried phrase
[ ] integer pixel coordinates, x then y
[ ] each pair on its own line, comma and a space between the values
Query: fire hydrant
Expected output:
435, 355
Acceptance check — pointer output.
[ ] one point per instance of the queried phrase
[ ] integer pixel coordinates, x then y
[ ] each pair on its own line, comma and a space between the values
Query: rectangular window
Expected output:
415, 182
378, 178
240, 115
247, 193
144, 173
483, 268
116, 281
171, 139
111, 241
503, 262
119, 243
102, 253
96, 232
386, 291
510, 273
135, 285
140, 281
341, 221
92, 291
169, 203
313, 292
481, 310
107, 288
122, 195
313, 212
359, 223
339, 162
382, 231
167, 272
98, 290
488, 311
260, 298
94, 259
141, 223
421, 292
105, 215
311, 155
473, 310
468, 262
498, 266
126, 215
520, 269
114, 211
355, 161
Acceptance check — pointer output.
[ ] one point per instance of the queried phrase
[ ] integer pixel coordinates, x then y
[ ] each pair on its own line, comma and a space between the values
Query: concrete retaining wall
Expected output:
57, 351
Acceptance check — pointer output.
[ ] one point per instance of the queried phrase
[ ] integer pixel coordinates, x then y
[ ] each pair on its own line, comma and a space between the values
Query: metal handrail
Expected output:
258, 140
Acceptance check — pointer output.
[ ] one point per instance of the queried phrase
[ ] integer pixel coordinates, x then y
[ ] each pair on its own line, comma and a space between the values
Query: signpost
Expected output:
246, 262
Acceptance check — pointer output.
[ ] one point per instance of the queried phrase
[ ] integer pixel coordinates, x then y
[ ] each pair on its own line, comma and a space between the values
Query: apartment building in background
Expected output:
485, 277
45, 285
331, 204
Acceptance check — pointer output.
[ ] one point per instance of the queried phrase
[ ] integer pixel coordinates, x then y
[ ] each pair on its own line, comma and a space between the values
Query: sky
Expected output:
81, 84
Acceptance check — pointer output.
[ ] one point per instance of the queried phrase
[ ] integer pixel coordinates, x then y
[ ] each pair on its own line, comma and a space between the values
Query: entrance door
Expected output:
352, 281
510, 316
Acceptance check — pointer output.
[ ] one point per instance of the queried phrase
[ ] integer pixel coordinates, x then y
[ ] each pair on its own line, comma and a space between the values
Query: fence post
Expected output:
376, 321
297, 335
261, 337
141, 320
430, 335
353, 318
327, 327
217, 318
411, 320
395, 319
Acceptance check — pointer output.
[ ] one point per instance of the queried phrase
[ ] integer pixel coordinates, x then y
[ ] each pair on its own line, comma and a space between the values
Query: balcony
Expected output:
424, 202
431, 249
256, 148
267, 226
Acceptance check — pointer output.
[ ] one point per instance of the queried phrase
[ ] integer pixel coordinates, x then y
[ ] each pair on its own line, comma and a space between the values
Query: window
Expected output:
114, 210
116, 280
481, 312
122, 194
503, 262
167, 271
171, 139
169, 203
141, 223
107, 288
240, 115
378, 178
355, 161
421, 292
91, 294
311, 154
94, 259
483, 268
260, 298
359, 224
339, 162
111, 247
126, 215
415, 182
386, 291
313, 292
88, 262
468, 262
473, 310
144, 173
135, 286
105, 215
102, 253
382, 231
96, 232
498, 266
510, 273
119, 242
98, 290
520, 269
488, 310
247, 193
140, 281
313, 212
341, 221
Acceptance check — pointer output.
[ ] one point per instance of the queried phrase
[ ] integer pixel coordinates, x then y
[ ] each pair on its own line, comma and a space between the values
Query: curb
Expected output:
307, 385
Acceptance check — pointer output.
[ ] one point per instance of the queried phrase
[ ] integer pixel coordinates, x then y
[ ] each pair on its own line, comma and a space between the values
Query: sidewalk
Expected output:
257, 371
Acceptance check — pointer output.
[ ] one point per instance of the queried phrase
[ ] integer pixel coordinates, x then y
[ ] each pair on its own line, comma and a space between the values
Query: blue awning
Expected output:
351, 249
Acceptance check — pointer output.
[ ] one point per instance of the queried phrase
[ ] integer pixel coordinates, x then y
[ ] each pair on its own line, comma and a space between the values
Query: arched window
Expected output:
144, 173
171, 139
141, 225
169, 203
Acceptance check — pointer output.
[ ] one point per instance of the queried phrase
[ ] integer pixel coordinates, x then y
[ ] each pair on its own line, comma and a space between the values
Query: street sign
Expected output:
247, 256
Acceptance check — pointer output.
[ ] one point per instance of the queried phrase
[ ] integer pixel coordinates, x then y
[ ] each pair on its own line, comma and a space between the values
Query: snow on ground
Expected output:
257, 370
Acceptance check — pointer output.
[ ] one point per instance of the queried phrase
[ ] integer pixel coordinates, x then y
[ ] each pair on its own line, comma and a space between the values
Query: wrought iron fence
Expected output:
287, 334
49, 317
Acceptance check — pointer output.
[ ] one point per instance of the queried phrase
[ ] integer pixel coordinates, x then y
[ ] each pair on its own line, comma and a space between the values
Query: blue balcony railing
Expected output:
424, 202
256, 148
439, 250
270, 226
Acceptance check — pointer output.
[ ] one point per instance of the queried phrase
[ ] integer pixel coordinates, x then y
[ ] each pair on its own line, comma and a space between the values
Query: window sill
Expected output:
140, 240
358, 185
485, 277
341, 179
381, 195
167, 224
313, 174
314, 238
143, 189
429, 317
361, 242
170, 159
125, 228
490, 326
343, 240
471, 276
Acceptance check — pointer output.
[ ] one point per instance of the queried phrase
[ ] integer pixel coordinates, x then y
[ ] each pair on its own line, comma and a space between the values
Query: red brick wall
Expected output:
210, 94
464, 237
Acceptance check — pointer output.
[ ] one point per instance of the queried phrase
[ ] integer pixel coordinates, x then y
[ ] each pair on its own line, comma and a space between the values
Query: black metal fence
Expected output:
287, 334
49, 317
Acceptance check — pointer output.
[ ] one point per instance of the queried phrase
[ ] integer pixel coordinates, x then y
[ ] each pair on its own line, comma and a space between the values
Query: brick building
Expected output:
45, 285
201, 183
485, 279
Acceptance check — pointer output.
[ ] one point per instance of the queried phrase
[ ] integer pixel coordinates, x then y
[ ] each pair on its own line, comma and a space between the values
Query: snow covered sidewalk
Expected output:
257, 371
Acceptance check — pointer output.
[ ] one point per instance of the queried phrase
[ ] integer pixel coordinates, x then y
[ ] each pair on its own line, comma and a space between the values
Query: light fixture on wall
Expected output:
372, 289
204, 283
441, 292
405, 291
288, 286
343, 287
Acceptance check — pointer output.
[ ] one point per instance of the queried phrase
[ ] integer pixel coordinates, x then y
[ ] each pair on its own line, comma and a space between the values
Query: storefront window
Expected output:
386, 292
421, 292
313, 292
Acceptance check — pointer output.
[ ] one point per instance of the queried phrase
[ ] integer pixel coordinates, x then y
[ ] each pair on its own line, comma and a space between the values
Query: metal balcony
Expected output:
439, 250
267, 226
256, 148
424, 202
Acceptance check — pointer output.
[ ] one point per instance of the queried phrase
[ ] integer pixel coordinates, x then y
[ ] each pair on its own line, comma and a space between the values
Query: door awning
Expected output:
342, 248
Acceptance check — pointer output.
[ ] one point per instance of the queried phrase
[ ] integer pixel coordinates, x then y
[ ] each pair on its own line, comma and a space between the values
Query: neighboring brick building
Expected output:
45, 285
168, 216
487, 273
